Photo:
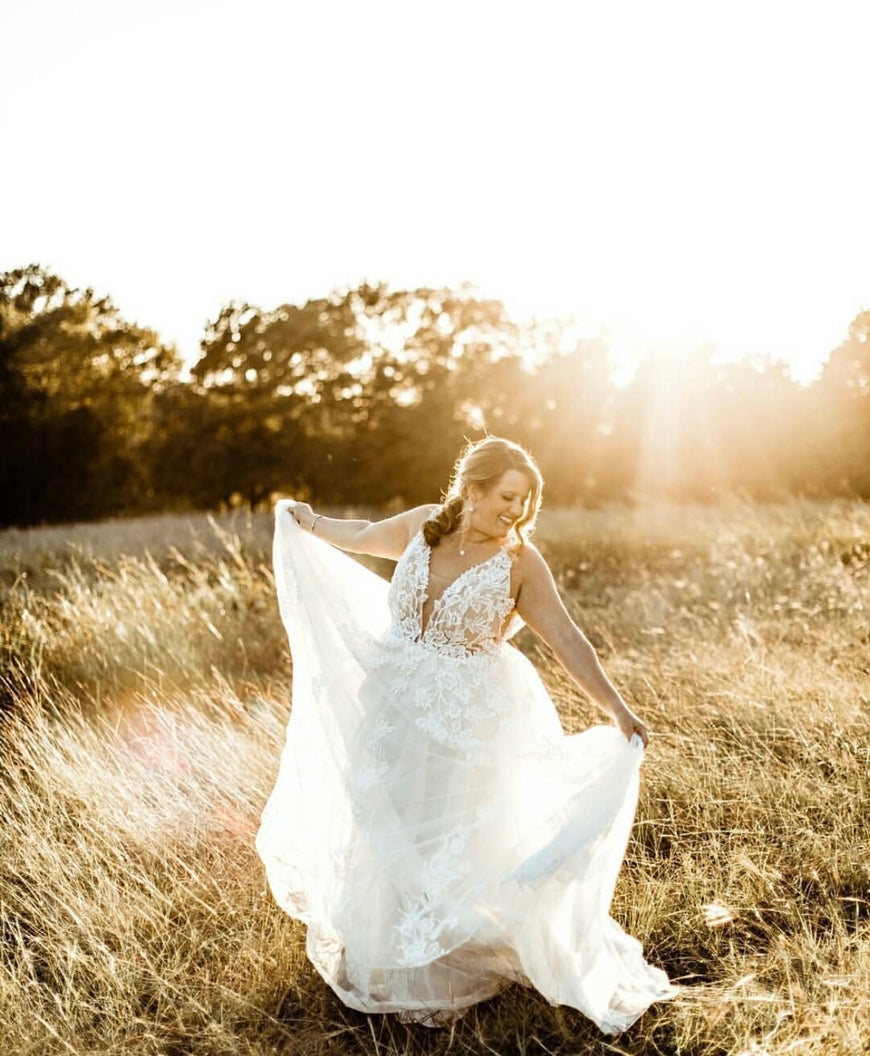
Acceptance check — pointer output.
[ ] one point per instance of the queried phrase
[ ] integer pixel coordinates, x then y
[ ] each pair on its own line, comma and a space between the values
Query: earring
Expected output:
470, 509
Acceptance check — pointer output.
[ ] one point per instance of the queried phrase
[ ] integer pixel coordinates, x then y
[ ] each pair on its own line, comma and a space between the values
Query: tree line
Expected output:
364, 396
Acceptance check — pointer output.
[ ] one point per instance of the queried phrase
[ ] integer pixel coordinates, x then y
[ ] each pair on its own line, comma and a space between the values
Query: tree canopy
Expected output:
365, 396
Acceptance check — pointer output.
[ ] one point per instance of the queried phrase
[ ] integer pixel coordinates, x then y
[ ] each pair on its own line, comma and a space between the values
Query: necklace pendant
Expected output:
462, 553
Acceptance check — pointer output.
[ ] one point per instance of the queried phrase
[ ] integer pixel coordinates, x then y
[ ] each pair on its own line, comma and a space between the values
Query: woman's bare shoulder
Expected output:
416, 517
528, 556
423, 513
529, 562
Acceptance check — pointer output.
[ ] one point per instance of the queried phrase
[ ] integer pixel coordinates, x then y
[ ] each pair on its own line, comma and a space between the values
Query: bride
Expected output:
431, 823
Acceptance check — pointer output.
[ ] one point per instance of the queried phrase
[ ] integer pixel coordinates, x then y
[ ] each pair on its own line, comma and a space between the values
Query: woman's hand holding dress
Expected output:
542, 609
387, 538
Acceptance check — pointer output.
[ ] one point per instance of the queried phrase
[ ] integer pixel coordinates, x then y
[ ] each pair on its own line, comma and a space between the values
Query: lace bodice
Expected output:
470, 616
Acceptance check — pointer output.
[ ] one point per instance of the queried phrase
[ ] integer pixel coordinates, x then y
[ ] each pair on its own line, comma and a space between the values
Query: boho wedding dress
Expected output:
431, 823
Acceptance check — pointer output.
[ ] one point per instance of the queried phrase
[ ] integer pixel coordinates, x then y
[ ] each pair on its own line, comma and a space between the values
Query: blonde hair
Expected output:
482, 465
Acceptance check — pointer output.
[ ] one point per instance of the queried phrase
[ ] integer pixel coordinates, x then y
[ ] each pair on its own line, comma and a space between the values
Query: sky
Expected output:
665, 172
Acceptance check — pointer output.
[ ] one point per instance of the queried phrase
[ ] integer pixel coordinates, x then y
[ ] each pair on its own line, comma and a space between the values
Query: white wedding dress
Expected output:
431, 823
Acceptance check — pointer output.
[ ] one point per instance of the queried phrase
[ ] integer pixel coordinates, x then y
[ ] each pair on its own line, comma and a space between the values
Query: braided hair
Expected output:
482, 465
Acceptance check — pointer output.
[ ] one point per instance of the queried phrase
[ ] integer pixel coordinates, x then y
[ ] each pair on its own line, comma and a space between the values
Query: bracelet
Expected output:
317, 517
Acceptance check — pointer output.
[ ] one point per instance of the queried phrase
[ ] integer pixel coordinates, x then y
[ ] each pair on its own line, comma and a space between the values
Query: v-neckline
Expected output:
427, 569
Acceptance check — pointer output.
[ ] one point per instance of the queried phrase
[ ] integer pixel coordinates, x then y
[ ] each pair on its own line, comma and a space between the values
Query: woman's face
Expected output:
496, 511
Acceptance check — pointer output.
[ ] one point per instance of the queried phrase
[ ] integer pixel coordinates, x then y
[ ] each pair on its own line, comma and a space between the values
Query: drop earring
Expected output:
470, 512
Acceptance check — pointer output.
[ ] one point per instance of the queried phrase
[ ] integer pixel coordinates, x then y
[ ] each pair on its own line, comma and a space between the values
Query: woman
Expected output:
431, 823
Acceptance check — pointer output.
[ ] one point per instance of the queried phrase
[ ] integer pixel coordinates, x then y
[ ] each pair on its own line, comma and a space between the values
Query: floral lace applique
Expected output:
417, 934
373, 772
453, 702
441, 680
446, 864
408, 589
467, 618
419, 929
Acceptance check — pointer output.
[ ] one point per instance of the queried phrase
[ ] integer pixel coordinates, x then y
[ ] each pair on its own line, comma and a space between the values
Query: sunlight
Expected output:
678, 443
473, 416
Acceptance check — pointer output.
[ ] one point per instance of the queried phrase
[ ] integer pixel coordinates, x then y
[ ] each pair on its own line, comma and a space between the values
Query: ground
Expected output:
146, 682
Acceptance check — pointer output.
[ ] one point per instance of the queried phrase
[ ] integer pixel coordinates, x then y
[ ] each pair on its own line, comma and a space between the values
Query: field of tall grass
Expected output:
145, 688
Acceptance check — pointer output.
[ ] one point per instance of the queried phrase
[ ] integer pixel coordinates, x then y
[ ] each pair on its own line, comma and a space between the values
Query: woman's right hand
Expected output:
302, 513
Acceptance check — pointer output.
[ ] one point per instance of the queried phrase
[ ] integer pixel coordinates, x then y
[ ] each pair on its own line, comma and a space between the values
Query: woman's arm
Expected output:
540, 606
387, 538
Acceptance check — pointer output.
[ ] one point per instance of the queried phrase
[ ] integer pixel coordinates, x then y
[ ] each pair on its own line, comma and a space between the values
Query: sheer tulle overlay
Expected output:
431, 823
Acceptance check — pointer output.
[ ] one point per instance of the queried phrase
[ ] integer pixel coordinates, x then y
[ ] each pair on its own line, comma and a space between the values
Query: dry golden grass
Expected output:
146, 676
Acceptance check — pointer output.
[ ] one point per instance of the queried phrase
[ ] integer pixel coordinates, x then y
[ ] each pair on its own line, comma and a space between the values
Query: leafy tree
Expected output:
70, 345
215, 448
842, 413
75, 384
566, 417
373, 386
365, 396
848, 366
291, 350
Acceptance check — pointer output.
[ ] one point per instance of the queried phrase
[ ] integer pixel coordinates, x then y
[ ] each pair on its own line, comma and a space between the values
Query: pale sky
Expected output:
663, 169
